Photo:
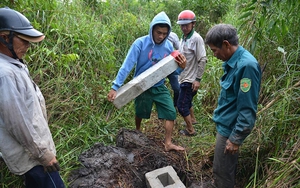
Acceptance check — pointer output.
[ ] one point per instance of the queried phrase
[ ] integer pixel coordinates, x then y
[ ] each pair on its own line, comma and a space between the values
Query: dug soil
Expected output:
125, 165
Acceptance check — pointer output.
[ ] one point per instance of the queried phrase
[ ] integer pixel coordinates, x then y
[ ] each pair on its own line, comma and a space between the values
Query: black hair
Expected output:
162, 25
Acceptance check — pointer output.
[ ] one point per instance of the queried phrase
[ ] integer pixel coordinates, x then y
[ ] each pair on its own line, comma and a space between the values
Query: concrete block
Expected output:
144, 81
165, 177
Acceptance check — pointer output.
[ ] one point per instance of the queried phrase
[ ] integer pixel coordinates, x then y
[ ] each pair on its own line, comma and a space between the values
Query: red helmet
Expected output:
185, 17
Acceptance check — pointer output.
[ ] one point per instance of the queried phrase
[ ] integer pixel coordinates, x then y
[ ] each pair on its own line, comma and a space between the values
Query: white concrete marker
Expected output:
165, 177
144, 81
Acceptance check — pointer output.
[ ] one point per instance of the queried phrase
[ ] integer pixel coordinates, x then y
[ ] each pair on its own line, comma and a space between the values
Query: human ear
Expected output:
226, 43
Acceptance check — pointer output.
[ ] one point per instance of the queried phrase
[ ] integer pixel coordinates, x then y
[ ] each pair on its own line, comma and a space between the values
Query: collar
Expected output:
235, 56
16, 62
189, 35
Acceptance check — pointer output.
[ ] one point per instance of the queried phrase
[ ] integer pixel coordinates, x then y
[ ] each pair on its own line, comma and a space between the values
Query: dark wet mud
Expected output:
125, 165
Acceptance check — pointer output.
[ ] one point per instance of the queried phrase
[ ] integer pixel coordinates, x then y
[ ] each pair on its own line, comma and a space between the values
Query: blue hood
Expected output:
160, 18
144, 53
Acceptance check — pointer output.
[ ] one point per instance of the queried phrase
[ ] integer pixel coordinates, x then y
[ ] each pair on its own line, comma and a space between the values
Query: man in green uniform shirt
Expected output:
235, 114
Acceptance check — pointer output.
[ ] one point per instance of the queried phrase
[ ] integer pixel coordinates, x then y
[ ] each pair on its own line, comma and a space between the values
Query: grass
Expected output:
85, 46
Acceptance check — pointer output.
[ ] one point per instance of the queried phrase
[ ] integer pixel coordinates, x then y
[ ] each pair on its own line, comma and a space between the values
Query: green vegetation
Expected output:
86, 42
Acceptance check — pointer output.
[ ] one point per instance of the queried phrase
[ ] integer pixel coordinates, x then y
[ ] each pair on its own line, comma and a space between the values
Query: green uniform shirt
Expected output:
235, 114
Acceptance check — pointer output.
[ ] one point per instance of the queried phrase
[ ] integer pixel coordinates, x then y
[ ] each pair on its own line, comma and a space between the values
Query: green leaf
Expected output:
249, 8
271, 24
245, 15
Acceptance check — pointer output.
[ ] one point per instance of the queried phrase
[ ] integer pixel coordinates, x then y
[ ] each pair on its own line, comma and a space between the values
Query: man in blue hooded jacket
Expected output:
144, 53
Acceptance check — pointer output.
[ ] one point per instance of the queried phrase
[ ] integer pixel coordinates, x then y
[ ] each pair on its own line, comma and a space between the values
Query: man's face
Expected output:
187, 28
159, 34
220, 53
20, 46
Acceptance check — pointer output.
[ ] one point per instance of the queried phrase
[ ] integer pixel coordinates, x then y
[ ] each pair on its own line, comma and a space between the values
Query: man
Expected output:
26, 142
173, 77
235, 114
193, 48
144, 53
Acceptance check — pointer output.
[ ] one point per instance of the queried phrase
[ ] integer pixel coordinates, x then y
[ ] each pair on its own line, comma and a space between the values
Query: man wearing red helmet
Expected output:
26, 142
193, 48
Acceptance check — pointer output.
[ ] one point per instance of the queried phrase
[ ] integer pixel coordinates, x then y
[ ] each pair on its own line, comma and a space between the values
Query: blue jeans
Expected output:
37, 178
173, 78
224, 165
184, 102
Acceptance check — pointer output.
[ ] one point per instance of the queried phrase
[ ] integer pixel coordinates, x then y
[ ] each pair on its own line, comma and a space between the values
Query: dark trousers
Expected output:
173, 79
37, 178
224, 165
184, 102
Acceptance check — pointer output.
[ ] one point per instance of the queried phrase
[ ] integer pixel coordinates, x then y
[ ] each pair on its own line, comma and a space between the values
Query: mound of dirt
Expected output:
125, 165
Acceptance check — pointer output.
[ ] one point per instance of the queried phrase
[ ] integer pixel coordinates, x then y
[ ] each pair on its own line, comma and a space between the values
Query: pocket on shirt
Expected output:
227, 92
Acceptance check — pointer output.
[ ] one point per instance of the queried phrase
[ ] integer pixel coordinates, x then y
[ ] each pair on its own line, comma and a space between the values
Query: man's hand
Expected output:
195, 85
111, 95
231, 147
52, 166
181, 60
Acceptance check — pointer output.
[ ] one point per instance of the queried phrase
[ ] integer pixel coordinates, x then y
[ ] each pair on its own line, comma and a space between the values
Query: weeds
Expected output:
86, 42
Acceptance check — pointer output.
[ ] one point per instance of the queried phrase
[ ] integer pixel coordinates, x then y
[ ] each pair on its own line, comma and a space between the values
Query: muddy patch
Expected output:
125, 165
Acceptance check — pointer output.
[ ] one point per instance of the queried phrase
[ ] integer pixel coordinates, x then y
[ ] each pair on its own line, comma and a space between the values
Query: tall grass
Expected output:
86, 42
276, 136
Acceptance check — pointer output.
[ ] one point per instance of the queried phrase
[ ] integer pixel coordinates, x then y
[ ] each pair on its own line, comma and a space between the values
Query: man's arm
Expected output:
18, 119
127, 66
249, 86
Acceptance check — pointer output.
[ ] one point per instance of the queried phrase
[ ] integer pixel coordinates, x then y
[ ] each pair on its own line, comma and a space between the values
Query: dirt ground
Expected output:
125, 165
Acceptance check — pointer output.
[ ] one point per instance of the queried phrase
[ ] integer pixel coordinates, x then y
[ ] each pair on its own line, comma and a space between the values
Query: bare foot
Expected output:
171, 146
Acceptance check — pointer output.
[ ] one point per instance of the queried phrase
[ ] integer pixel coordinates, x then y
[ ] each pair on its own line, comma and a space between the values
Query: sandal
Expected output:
186, 133
184, 123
